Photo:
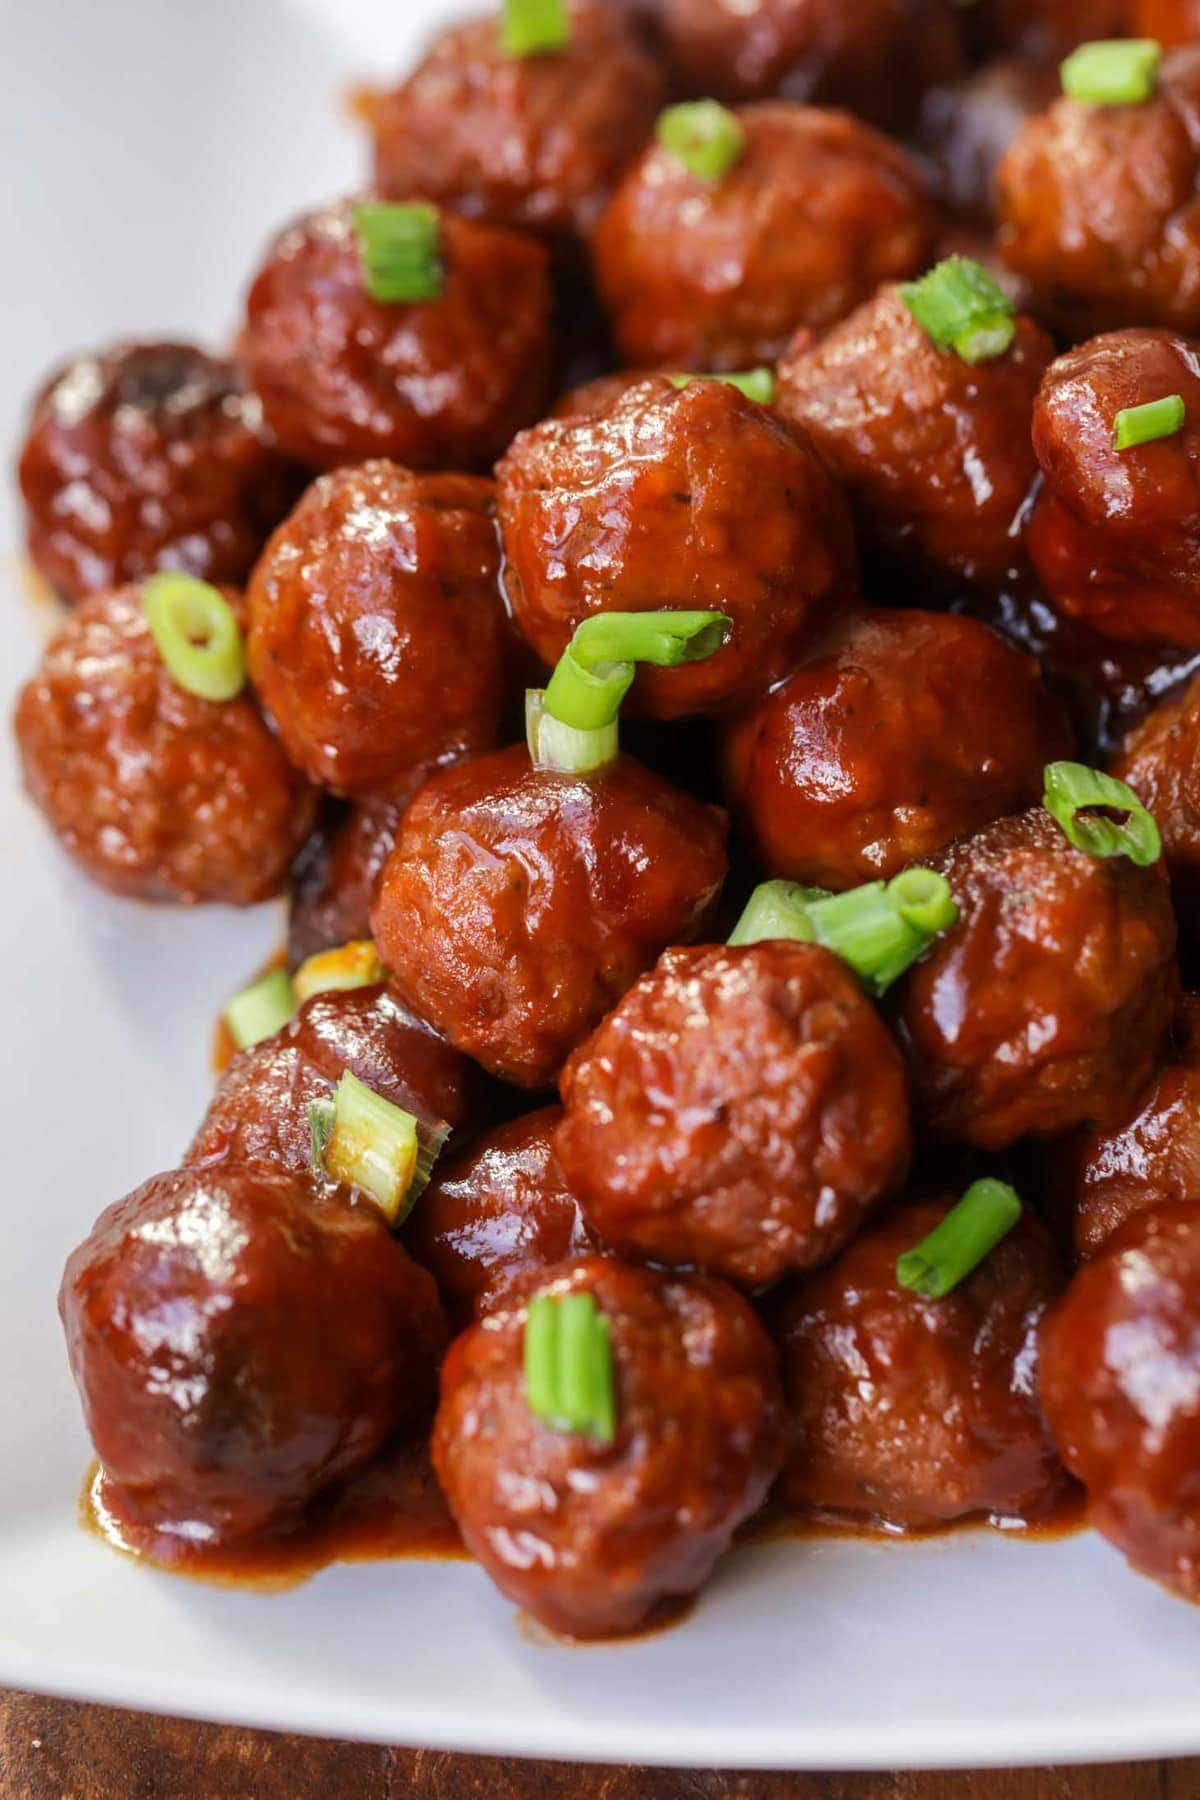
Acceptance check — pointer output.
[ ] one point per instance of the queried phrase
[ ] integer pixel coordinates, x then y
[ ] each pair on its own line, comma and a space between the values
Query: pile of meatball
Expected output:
939, 575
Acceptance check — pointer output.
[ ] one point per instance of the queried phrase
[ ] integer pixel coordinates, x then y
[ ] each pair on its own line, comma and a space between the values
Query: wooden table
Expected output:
55, 1750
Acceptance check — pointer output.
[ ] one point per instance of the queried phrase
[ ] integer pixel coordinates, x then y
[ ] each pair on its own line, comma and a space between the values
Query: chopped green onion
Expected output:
703, 135
351, 965
1074, 793
1154, 419
959, 306
530, 26
777, 909
756, 384
399, 245
568, 1365
373, 1146
566, 749
986, 1213
571, 724
879, 929
320, 1128
1112, 71
197, 635
261, 1009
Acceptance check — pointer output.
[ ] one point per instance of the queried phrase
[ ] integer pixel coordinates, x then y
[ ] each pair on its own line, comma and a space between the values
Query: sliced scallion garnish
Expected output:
399, 245
1135, 425
1081, 799
960, 307
986, 1213
879, 929
568, 1365
196, 633
756, 384
351, 965
1112, 71
373, 1145
261, 1009
571, 724
703, 135
531, 27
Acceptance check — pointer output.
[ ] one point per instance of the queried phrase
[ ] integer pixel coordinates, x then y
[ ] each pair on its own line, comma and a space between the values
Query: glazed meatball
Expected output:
1045, 29
905, 731
518, 904
1118, 1379
536, 142
1160, 760
593, 1539
500, 1208
1114, 535
333, 880
439, 383
934, 451
1148, 1156
875, 58
240, 1342
742, 1110
814, 214
156, 793
1098, 207
1048, 1004
377, 633
694, 496
967, 126
144, 457
259, 1112
911, 1411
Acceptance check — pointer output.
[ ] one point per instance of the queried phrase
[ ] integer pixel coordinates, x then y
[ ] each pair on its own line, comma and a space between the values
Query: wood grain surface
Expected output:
56, 1750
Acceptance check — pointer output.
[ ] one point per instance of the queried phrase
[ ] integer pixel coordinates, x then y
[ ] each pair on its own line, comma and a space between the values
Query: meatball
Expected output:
1118, 1376
1098, 207
905, 731
259, 1112
518, 904
144, 457
1048, 1004
875, 58
1160, 760
815, 213
240, 1342
742, 1110
1147, 1156
934, 451
333, 880
536, 142
156, 793
969, 124
377, 634
911, 1411
1114, 535
498, 1209
694, 495
593, 1539
440, 383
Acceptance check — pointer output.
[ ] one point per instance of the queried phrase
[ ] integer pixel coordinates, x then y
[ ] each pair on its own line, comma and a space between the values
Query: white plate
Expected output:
148, 148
